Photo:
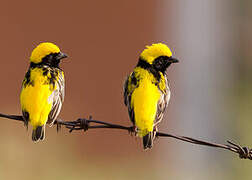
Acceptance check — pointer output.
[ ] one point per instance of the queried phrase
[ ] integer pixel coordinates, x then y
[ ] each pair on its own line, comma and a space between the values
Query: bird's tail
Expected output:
38, 133
148, 140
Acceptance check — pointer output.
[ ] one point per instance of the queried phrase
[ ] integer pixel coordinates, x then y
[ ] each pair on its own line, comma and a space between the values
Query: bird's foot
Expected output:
133, 130
26, 124
155, 130
58, 124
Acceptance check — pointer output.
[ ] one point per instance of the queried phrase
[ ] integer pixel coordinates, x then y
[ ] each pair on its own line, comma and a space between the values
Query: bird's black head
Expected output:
46, 53
161, 63
53, 59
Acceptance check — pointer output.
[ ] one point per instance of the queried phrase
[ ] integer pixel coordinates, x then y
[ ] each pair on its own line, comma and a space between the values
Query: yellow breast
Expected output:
36, 98
144, 101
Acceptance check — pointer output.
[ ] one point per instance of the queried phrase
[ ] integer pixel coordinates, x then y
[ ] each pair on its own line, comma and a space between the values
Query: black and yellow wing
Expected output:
129, 86
58, 98
164, 98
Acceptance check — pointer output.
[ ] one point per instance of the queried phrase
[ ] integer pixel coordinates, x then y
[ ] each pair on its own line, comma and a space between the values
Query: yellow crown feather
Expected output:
155, 50
42, 50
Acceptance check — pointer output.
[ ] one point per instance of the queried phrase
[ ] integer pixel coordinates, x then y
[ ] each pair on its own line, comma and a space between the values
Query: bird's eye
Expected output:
159, 63
50, 57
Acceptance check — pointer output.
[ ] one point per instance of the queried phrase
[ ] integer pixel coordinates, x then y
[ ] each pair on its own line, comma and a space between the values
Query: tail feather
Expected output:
148, 140
38, 134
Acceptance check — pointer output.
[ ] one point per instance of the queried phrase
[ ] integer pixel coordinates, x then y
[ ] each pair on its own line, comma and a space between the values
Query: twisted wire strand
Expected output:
86, 124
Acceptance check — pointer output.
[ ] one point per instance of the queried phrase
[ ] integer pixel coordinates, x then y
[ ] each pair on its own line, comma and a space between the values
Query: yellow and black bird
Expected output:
42, 91
146, 91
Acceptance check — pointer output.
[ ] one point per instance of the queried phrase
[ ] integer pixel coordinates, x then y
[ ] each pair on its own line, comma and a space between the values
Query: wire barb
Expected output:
244, 152
90, 123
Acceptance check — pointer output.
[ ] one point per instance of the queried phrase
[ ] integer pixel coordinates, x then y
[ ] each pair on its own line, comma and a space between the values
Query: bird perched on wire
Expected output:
42, 91
146, 91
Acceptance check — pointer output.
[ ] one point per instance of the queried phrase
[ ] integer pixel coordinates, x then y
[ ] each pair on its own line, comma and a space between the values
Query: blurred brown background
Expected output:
211, 86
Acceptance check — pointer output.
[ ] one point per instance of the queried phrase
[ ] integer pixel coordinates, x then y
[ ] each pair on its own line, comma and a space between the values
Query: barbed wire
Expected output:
90, 123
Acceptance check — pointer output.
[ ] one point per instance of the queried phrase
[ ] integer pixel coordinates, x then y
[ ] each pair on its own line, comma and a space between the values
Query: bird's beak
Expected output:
173, 60
61, 55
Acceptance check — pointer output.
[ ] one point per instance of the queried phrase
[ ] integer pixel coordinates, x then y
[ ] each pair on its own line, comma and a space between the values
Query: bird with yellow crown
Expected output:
42, 91
146, 91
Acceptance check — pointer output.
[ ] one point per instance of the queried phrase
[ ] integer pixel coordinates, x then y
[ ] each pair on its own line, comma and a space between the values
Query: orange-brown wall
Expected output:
103, 40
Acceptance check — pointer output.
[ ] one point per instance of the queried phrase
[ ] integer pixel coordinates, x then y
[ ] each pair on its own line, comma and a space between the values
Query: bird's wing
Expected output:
129, 86
163, 101
58, 98
24, 112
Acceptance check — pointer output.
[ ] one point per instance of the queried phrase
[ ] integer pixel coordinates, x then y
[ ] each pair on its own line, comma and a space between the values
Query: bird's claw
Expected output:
58, 124
26, 124
133, 130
